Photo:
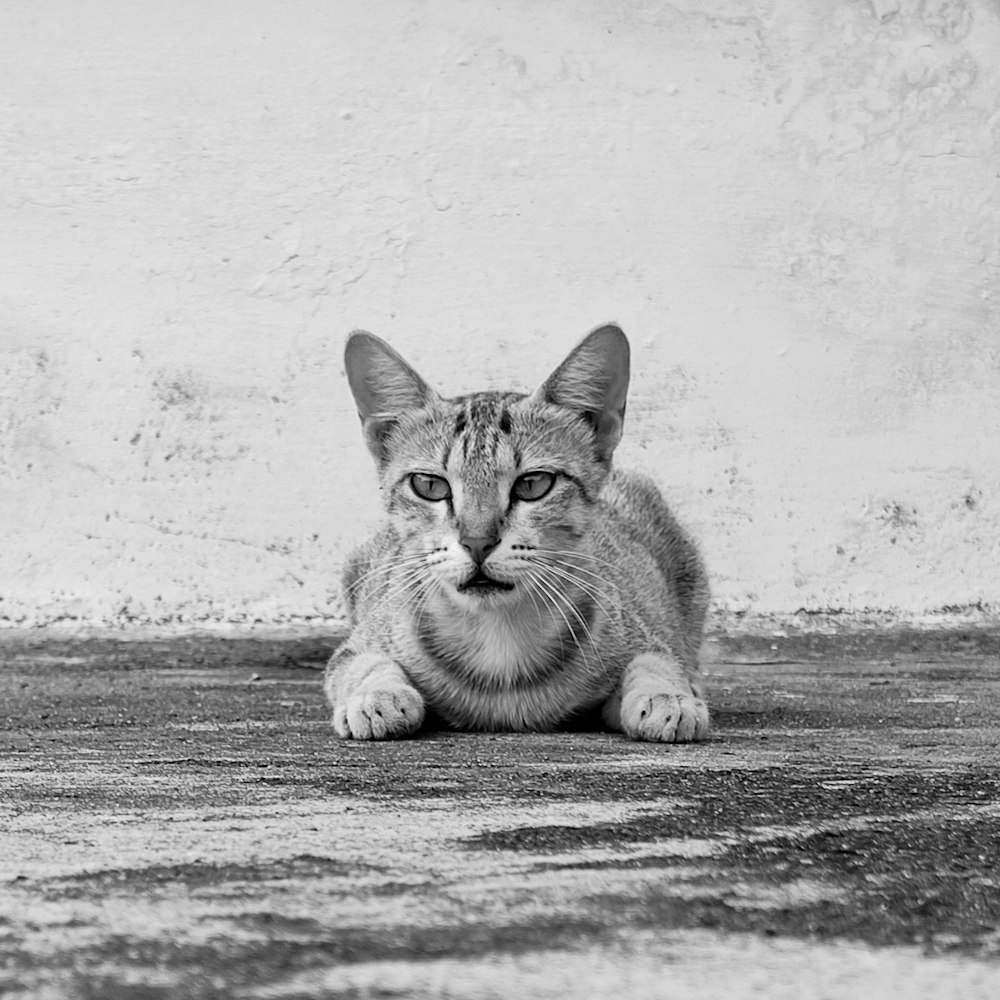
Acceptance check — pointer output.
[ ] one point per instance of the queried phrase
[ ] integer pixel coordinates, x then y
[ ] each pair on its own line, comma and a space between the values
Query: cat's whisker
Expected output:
550, 601
393, 576
600, 597
398, 587
534, 600
385, 569
421, 603
595, 587
586, 628
569, 571
570, 555
531, 588
551, 587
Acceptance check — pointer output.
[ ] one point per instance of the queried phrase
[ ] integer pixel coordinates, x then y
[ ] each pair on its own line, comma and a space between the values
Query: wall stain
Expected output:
898, 515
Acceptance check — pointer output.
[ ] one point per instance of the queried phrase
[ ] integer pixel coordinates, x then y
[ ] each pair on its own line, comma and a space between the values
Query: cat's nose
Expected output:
479, 546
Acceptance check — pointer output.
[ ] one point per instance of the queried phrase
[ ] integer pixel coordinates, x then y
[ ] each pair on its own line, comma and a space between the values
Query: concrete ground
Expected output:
177, 820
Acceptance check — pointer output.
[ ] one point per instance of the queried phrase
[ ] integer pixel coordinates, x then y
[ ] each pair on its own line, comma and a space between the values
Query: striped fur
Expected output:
505, 613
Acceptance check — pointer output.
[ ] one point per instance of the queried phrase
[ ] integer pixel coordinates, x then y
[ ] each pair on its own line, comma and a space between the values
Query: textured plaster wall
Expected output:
793, 207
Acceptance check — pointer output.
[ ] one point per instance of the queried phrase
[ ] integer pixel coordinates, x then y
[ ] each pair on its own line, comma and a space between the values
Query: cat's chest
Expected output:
498, 649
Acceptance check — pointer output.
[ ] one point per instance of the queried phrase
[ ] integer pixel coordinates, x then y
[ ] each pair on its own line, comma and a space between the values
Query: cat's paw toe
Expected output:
379, 715
664, 718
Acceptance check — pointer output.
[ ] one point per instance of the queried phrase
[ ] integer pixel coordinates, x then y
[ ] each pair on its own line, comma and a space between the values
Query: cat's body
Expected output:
518, 581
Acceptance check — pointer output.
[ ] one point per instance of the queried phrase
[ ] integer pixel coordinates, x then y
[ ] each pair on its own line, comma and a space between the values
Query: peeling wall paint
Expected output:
792, 207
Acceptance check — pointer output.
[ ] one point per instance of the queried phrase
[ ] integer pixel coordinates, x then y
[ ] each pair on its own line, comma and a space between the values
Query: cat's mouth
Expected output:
480, 583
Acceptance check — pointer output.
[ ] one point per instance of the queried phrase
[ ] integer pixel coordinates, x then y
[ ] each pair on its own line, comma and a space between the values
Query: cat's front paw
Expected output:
664, 718
379, 714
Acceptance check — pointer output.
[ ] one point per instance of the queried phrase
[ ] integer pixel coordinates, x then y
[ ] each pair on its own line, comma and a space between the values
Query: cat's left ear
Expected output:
593, 381
384, 387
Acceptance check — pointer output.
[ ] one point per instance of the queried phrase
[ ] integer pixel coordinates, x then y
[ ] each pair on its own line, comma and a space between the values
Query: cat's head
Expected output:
490, 488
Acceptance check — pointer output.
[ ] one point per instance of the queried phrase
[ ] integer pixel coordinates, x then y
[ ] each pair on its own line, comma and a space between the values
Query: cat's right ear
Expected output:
384, 387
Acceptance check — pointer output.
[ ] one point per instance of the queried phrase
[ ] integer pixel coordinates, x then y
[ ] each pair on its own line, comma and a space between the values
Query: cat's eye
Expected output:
533, 485
429, 487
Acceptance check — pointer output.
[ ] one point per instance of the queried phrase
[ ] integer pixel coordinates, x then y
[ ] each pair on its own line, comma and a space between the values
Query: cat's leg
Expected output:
657, 702
372, 697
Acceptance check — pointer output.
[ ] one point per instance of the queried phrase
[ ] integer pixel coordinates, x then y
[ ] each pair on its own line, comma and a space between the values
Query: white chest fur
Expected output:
509, 642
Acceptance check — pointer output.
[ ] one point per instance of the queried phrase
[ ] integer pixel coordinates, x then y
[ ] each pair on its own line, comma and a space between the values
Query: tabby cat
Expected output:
518, 581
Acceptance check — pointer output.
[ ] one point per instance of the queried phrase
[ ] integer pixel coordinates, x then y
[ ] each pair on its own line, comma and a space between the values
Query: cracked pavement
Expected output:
177, 819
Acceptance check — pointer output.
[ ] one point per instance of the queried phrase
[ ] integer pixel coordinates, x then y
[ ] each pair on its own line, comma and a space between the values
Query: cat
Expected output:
518, 580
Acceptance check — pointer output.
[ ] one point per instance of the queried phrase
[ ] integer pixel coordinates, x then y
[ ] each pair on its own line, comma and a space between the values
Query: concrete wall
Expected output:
793, 207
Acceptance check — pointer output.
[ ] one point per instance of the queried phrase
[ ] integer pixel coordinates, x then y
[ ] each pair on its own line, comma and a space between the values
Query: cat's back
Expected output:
648, 540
